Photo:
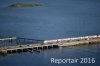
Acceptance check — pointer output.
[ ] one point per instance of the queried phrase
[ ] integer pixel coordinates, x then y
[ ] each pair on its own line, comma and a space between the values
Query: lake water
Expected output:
57, 19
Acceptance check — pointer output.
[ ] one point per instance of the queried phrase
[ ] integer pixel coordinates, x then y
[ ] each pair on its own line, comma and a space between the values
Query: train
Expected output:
69, 39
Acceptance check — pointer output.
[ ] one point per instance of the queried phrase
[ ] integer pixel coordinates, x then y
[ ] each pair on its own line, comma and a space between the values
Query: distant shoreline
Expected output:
25, 5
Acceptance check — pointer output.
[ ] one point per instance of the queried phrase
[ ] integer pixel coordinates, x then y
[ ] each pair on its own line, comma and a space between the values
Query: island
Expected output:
25, 5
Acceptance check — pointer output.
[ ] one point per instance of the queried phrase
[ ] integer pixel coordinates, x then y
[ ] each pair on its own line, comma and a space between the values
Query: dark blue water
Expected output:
57, 19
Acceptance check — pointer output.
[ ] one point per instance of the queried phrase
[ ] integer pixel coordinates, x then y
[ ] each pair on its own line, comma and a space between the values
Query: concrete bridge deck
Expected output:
48, 44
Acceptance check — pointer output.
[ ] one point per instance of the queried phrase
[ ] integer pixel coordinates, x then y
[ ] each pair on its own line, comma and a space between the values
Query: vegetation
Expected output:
25, 5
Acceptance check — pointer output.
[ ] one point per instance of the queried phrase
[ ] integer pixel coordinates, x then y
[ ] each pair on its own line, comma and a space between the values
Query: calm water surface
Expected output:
57, 19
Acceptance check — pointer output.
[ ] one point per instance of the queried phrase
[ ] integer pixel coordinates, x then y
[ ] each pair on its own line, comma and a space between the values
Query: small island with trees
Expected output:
25, 5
